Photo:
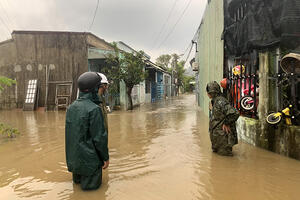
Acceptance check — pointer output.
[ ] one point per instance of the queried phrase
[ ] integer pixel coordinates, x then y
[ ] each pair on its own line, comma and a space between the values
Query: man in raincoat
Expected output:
85, 135
222, 120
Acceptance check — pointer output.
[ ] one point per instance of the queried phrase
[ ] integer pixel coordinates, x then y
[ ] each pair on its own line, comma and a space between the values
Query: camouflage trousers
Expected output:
222, 143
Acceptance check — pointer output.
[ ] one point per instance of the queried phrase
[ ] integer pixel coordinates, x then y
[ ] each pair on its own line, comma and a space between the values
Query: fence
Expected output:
242, 86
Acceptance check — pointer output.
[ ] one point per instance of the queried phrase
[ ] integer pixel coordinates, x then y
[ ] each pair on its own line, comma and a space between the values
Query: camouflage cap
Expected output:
213, 88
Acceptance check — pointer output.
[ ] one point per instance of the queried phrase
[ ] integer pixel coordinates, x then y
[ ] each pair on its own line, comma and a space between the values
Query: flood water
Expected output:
157, 152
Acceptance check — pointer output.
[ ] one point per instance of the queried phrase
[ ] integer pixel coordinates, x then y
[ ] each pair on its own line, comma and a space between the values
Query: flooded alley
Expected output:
159, 151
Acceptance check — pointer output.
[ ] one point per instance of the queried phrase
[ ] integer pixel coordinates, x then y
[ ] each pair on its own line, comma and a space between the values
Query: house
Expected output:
158, 83
53, 58
156, 87
248, 42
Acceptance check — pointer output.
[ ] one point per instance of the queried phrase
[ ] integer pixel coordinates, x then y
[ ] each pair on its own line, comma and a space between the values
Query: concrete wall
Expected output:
142, 92
248, 130
284, 140
135, 95
99, 43
210, 49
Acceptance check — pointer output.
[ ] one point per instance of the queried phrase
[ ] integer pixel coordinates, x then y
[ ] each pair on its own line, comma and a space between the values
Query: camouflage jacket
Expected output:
222, 113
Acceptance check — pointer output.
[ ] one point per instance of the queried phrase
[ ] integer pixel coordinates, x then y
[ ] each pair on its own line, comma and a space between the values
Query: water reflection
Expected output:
158, 151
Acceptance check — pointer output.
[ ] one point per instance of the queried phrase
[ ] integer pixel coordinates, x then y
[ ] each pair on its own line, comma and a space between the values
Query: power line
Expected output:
164, 25
4, 23
94, 15
175, 24
190, 46
7, 28
7, 16
189, 54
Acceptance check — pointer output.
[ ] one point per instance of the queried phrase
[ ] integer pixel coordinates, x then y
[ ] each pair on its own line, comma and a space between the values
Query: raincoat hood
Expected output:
213, 89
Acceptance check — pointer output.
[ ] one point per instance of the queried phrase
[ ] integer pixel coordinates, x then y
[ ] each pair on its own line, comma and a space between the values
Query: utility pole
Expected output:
173, 80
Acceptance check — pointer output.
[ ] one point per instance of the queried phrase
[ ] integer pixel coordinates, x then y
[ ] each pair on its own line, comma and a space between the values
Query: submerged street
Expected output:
159, 151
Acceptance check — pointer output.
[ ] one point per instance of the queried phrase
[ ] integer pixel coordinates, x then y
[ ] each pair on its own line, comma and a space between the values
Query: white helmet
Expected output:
103, 78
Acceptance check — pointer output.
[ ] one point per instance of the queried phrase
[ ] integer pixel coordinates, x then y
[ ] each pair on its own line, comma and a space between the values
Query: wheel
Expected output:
272, 119
247, 103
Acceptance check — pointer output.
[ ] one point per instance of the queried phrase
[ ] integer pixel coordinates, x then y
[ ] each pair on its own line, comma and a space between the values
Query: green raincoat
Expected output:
85, 136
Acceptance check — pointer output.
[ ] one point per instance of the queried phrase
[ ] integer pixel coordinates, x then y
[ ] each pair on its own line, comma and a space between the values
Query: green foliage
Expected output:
179, 70
128, 67
4, 81
172, 64
112, 71
8, 131
186, 83
164, 61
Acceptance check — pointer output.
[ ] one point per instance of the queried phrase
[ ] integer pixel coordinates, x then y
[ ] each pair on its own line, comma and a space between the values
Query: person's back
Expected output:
86, 140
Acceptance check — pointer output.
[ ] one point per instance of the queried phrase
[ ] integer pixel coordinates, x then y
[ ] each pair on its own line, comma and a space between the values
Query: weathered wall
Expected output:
286, 141
210, 49
248, 130
94, 41
65, 53
135, 95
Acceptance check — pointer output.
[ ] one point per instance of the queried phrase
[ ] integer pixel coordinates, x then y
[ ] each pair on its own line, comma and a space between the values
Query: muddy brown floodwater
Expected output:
158, 152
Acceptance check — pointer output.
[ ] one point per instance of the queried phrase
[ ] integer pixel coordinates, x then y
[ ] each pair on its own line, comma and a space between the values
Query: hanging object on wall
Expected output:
31, 95
290, 63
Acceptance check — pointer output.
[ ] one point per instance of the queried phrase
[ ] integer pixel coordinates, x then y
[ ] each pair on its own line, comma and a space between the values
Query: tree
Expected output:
171, 64
188, 87
164, 61
4, 81
179, 70
128, 67
5, 130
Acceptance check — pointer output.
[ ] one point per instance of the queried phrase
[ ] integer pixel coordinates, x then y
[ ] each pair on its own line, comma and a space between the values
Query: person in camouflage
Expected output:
222, 120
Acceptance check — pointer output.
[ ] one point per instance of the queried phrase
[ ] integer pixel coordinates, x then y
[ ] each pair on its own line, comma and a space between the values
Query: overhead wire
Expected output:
95, 13
174, 26
189, 54
190, 46
6, 26
165, 23
186, 50
6, 15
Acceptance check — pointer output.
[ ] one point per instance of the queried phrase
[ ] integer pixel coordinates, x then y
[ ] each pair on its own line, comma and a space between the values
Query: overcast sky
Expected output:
138, 23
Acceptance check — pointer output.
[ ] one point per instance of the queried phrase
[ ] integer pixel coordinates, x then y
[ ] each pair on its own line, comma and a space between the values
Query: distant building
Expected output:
156, 87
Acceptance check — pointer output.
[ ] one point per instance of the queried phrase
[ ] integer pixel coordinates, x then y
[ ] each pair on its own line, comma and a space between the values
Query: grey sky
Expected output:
135, 22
